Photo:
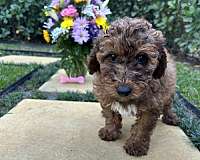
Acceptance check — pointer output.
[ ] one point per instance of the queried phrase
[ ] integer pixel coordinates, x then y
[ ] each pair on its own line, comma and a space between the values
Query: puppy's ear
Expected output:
162, 64
92, 63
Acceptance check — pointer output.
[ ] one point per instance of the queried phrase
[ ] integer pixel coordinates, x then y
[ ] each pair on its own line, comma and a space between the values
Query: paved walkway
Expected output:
53, 85
57, 130
27, 59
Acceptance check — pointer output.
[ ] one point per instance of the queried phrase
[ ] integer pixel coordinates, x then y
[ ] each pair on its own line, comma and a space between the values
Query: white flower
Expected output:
104, 4
89, 10
104, 11
48, 24
51, 13
55, 34
94, 11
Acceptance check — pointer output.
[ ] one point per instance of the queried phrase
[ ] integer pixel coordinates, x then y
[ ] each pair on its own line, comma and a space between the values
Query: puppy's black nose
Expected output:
124, 90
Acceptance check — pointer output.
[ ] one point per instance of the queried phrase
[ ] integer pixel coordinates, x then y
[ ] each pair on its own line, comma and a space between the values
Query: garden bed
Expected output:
186, 104
20, 81
10, 73
188, 82
189, 119
24, 48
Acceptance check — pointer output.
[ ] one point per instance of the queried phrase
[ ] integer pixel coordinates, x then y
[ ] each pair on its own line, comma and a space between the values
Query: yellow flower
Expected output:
105, 27
46, 36
67, 23
79, 1
101, 22
46, 13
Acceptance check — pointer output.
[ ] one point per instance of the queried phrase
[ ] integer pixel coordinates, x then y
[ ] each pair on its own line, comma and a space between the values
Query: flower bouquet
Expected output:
72, 25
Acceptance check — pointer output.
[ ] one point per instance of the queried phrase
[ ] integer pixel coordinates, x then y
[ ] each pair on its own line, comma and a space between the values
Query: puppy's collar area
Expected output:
127, 111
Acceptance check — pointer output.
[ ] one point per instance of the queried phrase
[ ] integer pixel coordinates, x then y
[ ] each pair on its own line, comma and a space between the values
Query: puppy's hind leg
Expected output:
169, 117
113, 124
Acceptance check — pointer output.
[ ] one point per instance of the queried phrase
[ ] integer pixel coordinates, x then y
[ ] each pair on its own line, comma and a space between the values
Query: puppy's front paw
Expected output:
109, 134
171, 119
136, 148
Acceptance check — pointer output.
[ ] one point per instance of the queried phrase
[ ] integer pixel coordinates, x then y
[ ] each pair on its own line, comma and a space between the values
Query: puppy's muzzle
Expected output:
124, 90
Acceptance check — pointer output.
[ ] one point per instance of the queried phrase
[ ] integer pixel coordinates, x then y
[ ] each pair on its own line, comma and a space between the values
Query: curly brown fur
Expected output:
111, 131
132, 53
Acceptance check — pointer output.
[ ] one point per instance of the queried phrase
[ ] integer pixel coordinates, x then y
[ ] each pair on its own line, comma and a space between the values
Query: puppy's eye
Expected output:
142, 59
112, 57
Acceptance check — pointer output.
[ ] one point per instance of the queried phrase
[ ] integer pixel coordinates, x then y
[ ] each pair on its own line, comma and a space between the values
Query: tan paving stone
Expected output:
57, 130
53, 85
28, 59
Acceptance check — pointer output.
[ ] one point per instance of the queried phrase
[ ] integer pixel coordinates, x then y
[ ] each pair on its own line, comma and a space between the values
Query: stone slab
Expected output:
16, 59
57, 130
53, 85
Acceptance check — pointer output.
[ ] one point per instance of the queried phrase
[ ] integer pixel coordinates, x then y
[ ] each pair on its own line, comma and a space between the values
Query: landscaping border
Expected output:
20, 81
188, 105
182, 57
31, 53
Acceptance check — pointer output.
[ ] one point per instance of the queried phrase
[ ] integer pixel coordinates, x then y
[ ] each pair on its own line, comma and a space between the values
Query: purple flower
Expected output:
80, 23
66, 2
93, 30
80, 35
57, 3
96, 1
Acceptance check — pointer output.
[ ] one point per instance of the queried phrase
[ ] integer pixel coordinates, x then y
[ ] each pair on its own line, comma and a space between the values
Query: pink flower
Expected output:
70, 11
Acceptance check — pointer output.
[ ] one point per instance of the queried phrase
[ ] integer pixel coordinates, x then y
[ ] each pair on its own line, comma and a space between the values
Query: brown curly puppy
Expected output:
133, 74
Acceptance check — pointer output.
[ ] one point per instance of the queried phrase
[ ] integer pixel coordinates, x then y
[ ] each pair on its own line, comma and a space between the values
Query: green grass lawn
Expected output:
9, 73
188, 83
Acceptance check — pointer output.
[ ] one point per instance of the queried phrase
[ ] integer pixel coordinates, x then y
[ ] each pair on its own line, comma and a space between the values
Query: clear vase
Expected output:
73, 59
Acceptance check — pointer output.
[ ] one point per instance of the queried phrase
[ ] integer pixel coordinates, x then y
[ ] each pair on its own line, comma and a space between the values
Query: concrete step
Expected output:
58, 130
18, 59
53, 85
